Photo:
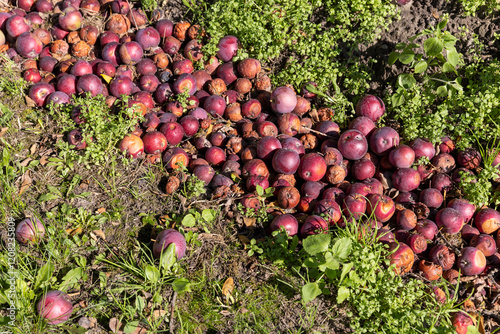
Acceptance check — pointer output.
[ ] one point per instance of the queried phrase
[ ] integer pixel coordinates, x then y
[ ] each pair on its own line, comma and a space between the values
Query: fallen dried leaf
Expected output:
100, 210
140, 330
100, 234
469, 305
249, 222
225, 313
3, 131
33, 148
228, 287
157, 314
114, 325
25, 182
73, 231
25, 162
44, 160
243, 239
211, 237
29, 102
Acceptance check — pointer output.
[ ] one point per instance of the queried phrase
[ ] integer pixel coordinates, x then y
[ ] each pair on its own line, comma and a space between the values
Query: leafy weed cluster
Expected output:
102, 128
269, 29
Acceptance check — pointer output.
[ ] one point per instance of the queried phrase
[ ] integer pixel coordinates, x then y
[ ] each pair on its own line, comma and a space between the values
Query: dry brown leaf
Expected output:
100, 210
33, 148
435, 14
25, 162
249, 222
29, 102
3, 131
225, 313
228, 287
25, 182
157, 314
114, 325
100, 234
140, 330
44, 160
481, 325
211, 237
73, 231
243, 239
469, 305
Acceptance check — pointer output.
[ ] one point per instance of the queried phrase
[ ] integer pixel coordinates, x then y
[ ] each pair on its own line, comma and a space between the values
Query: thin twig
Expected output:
132, 14
172, 310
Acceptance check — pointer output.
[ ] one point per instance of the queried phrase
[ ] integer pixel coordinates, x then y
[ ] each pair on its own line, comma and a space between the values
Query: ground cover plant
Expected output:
165, 169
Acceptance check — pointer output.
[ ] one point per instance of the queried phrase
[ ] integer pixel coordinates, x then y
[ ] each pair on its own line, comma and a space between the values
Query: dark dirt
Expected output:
420, 15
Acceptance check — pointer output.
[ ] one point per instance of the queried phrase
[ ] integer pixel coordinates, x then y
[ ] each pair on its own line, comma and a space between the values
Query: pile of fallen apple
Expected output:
227, 123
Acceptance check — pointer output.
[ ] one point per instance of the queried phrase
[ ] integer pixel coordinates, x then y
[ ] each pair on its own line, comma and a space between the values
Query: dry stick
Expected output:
172, 309
132, 14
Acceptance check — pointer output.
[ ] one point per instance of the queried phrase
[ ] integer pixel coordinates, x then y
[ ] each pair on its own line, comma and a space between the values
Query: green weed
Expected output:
102, 129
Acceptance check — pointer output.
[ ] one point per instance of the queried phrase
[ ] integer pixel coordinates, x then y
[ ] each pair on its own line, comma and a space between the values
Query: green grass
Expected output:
269, 30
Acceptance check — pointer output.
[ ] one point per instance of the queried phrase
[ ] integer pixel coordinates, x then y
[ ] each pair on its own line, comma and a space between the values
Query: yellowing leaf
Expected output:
107, 78
228, 287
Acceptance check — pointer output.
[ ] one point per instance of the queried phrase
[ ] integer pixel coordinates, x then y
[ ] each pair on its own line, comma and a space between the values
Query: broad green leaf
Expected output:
54, 190
330, 263
421, 67
407, 57
342, 248
449, 41
208, 215
472, 330
346, 268
72, 277
393, 57
332, 274
457, 86
259, 190
433, 46
189, 220
168, 257
312, 89
181, 285
452, 57
152, 274
406, 80
342, 294
44, 274
397, 99
311, 262
400, 46
412, 46
317, 243
442, 91
130, 327
310, 291
74, 329
3, 298
447, 67
442, 24
48, 197
103, 280
139, 304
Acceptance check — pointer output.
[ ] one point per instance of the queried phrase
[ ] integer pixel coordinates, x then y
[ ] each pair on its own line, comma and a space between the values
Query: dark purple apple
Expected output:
370, 106
450, 220
383, 140
352, 144
285, 161
228, 48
